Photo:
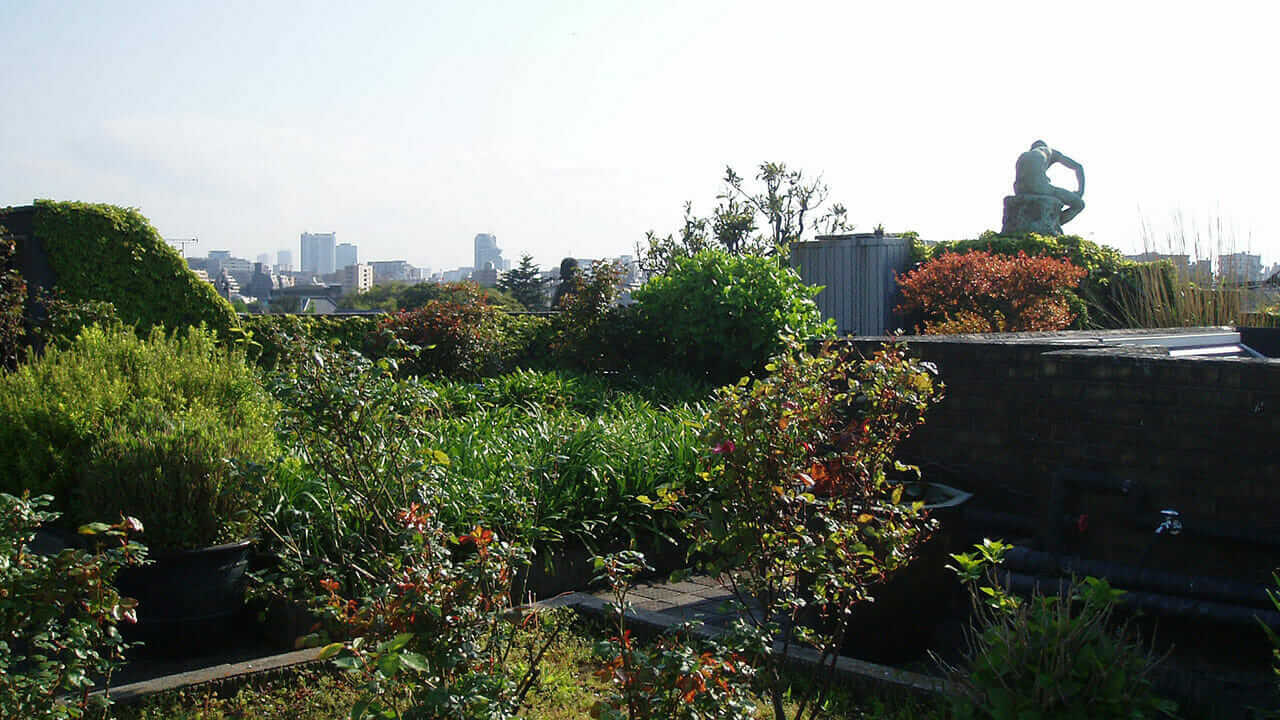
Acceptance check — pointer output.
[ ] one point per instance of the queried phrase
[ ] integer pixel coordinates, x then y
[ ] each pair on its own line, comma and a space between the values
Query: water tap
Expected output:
1171, 523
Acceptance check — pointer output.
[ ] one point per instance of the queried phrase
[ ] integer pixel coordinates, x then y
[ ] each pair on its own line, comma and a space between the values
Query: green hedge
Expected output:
113, 254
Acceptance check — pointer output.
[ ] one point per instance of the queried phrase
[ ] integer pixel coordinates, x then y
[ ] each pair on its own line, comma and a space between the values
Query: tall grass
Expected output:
555, 470
1173, 294
1154, 295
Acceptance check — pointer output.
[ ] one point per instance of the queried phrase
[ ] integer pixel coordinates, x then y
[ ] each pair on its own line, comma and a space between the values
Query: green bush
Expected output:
113, 423
1058, 656
723, 315
102, 252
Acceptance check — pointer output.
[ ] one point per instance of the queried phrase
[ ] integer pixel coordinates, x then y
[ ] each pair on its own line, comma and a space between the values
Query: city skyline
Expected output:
571, 130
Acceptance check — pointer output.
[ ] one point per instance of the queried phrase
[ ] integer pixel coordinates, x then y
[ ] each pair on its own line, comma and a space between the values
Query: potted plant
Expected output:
113, 424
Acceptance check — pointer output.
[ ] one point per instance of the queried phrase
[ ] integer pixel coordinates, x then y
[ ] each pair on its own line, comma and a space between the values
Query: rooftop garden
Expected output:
401, 477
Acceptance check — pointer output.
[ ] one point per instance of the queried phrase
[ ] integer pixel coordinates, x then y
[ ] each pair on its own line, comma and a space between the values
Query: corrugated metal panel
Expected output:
858, 272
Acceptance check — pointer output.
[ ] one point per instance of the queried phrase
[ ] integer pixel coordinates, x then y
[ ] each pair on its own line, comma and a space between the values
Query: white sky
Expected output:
571, 128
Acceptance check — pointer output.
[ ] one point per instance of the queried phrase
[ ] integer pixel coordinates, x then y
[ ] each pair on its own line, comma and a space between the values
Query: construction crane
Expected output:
182, 244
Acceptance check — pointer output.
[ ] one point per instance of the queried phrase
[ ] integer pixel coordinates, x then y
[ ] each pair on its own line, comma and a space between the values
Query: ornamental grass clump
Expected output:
805, 554
111, 423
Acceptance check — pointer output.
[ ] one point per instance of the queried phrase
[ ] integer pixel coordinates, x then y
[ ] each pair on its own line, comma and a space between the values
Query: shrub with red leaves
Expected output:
982, 292
458, 337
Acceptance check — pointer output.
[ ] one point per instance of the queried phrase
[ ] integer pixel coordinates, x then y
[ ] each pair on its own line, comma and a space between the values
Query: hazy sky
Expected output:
574, 127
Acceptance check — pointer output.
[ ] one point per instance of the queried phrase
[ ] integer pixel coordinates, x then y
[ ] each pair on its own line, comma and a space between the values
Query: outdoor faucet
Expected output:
1171, 524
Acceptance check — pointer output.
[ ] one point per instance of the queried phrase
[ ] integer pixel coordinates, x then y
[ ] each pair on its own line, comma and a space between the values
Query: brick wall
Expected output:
1045, 429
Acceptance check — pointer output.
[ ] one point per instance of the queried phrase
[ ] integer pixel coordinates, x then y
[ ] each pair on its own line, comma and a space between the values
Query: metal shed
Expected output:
857, 271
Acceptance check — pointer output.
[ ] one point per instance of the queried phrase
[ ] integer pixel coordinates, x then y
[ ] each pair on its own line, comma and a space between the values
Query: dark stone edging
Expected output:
848, 670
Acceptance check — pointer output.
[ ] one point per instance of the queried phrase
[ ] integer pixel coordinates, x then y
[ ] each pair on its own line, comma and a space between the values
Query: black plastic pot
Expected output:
189, 601
908, 607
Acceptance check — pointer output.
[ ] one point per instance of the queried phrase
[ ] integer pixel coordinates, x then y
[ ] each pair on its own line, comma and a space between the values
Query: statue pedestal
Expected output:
1041, 214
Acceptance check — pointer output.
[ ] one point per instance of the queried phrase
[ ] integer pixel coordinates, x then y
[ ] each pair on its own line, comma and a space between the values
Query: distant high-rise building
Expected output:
387, 271
355, 278
487, 251
318, 253
1240, 267
213, 265
284, 261
344, 255
264, 259
486, 276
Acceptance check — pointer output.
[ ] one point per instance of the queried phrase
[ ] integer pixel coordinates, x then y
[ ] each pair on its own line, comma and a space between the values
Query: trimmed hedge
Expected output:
113, 254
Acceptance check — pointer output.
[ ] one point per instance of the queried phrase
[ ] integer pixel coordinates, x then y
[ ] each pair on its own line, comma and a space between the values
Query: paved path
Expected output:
697, 598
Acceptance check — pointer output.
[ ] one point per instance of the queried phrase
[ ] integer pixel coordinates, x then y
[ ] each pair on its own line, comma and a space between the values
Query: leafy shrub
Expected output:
65, 319
462, 337
807, 557
675, 678
276, 339
1061, 656
359, 455
723, 315
13, 303
106, 253
583, 309
58, 614
113, 423
1092, 303
436, 631
981, 292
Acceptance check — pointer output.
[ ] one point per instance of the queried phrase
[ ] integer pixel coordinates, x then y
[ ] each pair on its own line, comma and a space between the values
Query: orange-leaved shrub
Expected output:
982, 292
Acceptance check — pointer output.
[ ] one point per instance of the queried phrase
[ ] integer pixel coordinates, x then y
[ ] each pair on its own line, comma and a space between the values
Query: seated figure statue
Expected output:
1031, 178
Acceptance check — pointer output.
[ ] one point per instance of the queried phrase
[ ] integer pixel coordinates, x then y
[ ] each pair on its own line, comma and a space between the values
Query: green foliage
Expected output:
797, 504
534, 456
276, 339
391, 297
58, 614
524, 284
577, 471
112, 254
359, 455
675, 679
13, 302
782, 207
113, 423
1062, 656
579, 340
722, 315
66, 319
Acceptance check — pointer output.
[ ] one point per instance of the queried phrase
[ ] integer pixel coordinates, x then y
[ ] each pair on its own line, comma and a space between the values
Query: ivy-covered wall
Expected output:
104, 252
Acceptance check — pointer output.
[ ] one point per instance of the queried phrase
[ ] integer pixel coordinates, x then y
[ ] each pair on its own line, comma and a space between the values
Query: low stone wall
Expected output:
1088, 444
